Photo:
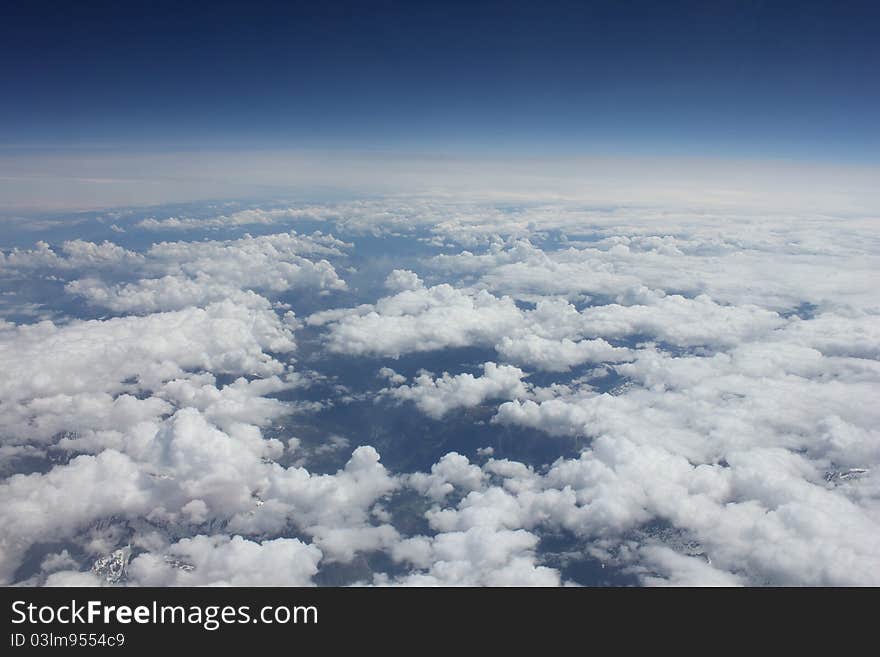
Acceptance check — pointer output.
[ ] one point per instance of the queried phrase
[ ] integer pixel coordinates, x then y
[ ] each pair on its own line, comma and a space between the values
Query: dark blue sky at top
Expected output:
749, 78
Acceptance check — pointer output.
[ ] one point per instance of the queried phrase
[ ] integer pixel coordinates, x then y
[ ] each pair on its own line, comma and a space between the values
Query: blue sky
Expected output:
729, 79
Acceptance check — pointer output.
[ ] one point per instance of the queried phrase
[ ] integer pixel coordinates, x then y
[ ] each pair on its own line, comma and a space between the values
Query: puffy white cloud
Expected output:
548, 337
702, 407
775, 261
333, 509
184, 472
559, 355
400, 280
422, 319
391, 376
44, 417
223, 470
436, 397
73, 254
757, 519
153, 470
731, 449
270, 261
82, 375
241, 402
480, 556
52, 506
196, 273
100, 355
221, 560
153, 294
682, 321
681, 570
175, 275
450, 471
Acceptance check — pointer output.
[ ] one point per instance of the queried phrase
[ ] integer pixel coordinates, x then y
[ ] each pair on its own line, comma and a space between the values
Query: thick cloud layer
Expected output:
666, 396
